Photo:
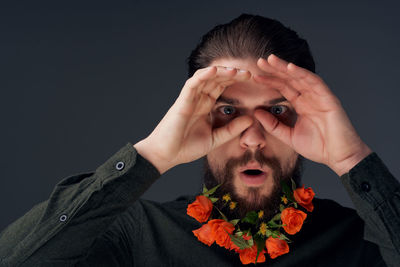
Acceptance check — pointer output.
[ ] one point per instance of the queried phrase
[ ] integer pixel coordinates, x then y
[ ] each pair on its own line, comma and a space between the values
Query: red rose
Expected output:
204, 234
293, 219
219, 231
276, 247
200, 209
304, 197
248, 255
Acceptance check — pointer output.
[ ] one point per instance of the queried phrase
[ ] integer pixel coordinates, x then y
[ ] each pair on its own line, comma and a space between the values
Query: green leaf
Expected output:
268, 233
294, 186
213, 199
285, 188
277, 217
275, 234
251, 242
272, 224
251, 217
204, 188
287, 191
260, 242
223, 215
281, 207
284, 237
235, 221
240, 241
211, 191
239, 233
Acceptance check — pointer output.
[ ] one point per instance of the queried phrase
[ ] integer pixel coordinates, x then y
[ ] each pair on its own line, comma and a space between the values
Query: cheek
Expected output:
218, 153
214, 158
284, 153
218, 157
290, 161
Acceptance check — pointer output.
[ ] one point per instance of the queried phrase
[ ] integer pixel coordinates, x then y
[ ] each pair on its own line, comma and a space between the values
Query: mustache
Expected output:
224, 173
258, 156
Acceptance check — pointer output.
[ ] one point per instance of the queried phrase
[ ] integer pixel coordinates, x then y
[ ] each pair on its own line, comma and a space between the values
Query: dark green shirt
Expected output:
98, 219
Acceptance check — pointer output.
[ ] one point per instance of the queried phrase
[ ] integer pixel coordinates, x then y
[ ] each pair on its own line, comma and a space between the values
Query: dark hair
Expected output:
250, 36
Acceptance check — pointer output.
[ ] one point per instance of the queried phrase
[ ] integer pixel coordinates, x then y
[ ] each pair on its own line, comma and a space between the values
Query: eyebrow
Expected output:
233, 101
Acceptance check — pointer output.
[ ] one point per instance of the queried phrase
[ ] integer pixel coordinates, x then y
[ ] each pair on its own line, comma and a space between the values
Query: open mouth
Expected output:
253, 177
252, 172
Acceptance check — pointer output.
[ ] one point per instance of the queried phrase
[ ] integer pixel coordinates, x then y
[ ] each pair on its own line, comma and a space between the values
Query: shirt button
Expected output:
63, 218
120, 165
365, 186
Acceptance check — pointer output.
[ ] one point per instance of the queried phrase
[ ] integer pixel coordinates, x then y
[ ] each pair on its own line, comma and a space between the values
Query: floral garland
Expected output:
252, 236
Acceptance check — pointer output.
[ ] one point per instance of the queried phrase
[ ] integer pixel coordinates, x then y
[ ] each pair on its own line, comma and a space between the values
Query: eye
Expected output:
278, 110
227, 110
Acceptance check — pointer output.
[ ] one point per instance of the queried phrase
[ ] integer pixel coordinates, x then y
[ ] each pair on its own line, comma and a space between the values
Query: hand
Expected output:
322, 133
185, 133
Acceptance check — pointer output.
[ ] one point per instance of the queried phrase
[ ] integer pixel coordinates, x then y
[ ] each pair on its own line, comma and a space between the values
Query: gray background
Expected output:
81, 79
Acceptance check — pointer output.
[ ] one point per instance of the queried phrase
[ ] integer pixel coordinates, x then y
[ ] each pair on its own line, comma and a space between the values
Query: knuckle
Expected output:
190, 82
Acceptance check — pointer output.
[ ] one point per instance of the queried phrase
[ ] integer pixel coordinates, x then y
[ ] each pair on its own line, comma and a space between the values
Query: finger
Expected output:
219, 89
189, 90
289, 92
270, 70
215, 86
205, 101
278, 63
308, 79
221, 77
229, 131
273, 126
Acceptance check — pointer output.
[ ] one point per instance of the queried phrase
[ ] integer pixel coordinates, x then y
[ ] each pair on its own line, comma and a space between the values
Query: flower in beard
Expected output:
220, 230
245, 224
254, 199
249, 255
204, 234
200, 209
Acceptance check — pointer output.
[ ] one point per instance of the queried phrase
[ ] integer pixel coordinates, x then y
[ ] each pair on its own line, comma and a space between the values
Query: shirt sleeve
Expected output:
376, 197
80, 208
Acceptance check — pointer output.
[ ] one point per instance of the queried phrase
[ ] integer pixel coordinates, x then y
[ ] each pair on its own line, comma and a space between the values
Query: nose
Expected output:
253, 137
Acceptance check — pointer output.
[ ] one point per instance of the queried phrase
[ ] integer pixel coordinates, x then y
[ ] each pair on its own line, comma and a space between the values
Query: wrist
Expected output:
346, 165
146, 151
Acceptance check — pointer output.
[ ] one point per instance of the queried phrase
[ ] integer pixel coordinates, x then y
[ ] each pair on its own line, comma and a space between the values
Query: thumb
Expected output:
275, 127
232, 129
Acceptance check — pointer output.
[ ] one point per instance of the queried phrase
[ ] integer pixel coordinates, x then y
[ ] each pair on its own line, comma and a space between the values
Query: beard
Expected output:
254, 199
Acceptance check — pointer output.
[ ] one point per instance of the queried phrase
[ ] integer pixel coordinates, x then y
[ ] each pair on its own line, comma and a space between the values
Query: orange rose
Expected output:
293, 219
219, 231
248, 255
204, 234
200, 209
304, 197
276, 247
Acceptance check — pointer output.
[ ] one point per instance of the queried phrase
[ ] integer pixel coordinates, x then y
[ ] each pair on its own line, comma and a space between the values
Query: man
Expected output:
253, 115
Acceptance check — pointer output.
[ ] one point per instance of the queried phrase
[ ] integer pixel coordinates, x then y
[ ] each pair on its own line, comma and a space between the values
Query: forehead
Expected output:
248, 89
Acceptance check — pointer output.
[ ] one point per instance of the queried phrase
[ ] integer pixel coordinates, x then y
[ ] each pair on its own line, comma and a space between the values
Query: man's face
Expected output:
251, 165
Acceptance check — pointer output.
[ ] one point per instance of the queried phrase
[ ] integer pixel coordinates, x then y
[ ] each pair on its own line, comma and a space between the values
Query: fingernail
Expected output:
229, 68
242, 70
